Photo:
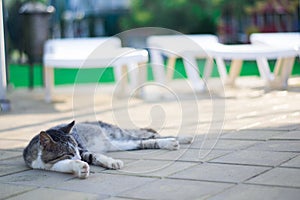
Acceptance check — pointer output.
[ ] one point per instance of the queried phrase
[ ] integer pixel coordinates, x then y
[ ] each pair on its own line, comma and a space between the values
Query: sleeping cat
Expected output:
70, 148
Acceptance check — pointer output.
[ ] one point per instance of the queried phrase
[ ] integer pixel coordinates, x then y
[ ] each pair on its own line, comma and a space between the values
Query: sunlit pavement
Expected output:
246, 142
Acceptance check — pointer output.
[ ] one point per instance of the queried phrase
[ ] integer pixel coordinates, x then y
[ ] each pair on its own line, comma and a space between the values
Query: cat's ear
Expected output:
68, 127
45, 139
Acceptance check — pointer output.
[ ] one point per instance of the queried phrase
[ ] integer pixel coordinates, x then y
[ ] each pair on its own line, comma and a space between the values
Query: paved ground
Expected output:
247, 143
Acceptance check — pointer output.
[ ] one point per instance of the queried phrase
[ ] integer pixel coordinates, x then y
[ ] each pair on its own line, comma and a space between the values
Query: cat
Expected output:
70, 148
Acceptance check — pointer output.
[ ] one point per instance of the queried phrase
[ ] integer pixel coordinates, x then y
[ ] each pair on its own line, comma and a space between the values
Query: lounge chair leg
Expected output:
209, 63
142, 78
157, 64
222, 69
137, 77
121, 80
235, 70
171, 68
278, 66
264, 69
133, 71
286, 71
49, 83
192, 71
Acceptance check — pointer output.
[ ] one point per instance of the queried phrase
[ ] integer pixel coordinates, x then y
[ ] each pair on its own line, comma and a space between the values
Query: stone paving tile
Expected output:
102, 183
190, 155
118, 198
251, 134
291, 135
265, 158
200, 137
136, 155
8, 190
279, 177
12, 165
183, 154
295, 162
26, 134
277, 113
50, 194
14, 160
98, 169
176, 189
8, 169
207, 155
250, 192
238, 124
210, 129
8, 154
219, 144
276, 126
152, 168
18, 149
288, 146
39, 178
12, 144
220, 172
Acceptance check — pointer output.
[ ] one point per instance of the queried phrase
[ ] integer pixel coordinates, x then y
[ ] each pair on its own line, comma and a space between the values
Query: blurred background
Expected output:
231, 20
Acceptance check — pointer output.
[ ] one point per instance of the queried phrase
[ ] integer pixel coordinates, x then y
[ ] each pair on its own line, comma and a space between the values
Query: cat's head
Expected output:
58, 144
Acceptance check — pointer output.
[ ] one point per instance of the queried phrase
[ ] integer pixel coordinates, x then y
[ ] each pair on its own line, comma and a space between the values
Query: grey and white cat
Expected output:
70, 148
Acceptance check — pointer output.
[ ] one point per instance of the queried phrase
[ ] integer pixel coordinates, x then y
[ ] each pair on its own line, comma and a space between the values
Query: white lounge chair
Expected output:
188, 47
283, 67
259, 53
91, 53
192, 47
283, 39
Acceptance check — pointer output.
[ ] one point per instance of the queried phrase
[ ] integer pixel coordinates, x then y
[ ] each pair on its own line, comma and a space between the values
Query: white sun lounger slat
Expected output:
259, 53
90, 53
192, 47
283, 67
284, 39
187, 47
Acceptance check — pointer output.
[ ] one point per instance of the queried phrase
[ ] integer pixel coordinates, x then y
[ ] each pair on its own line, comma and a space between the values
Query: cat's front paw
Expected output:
169, 144
114, 163
81, 169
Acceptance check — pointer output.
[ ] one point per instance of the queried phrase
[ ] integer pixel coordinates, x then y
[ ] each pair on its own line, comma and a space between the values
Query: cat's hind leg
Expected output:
160, 143
142, 133
156, 143
148, 133
102, 160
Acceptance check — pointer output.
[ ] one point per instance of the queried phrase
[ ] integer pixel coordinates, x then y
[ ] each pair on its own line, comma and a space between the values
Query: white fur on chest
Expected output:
38, 163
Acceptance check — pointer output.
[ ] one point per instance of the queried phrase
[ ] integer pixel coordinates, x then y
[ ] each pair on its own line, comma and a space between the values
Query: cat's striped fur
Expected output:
70, 148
